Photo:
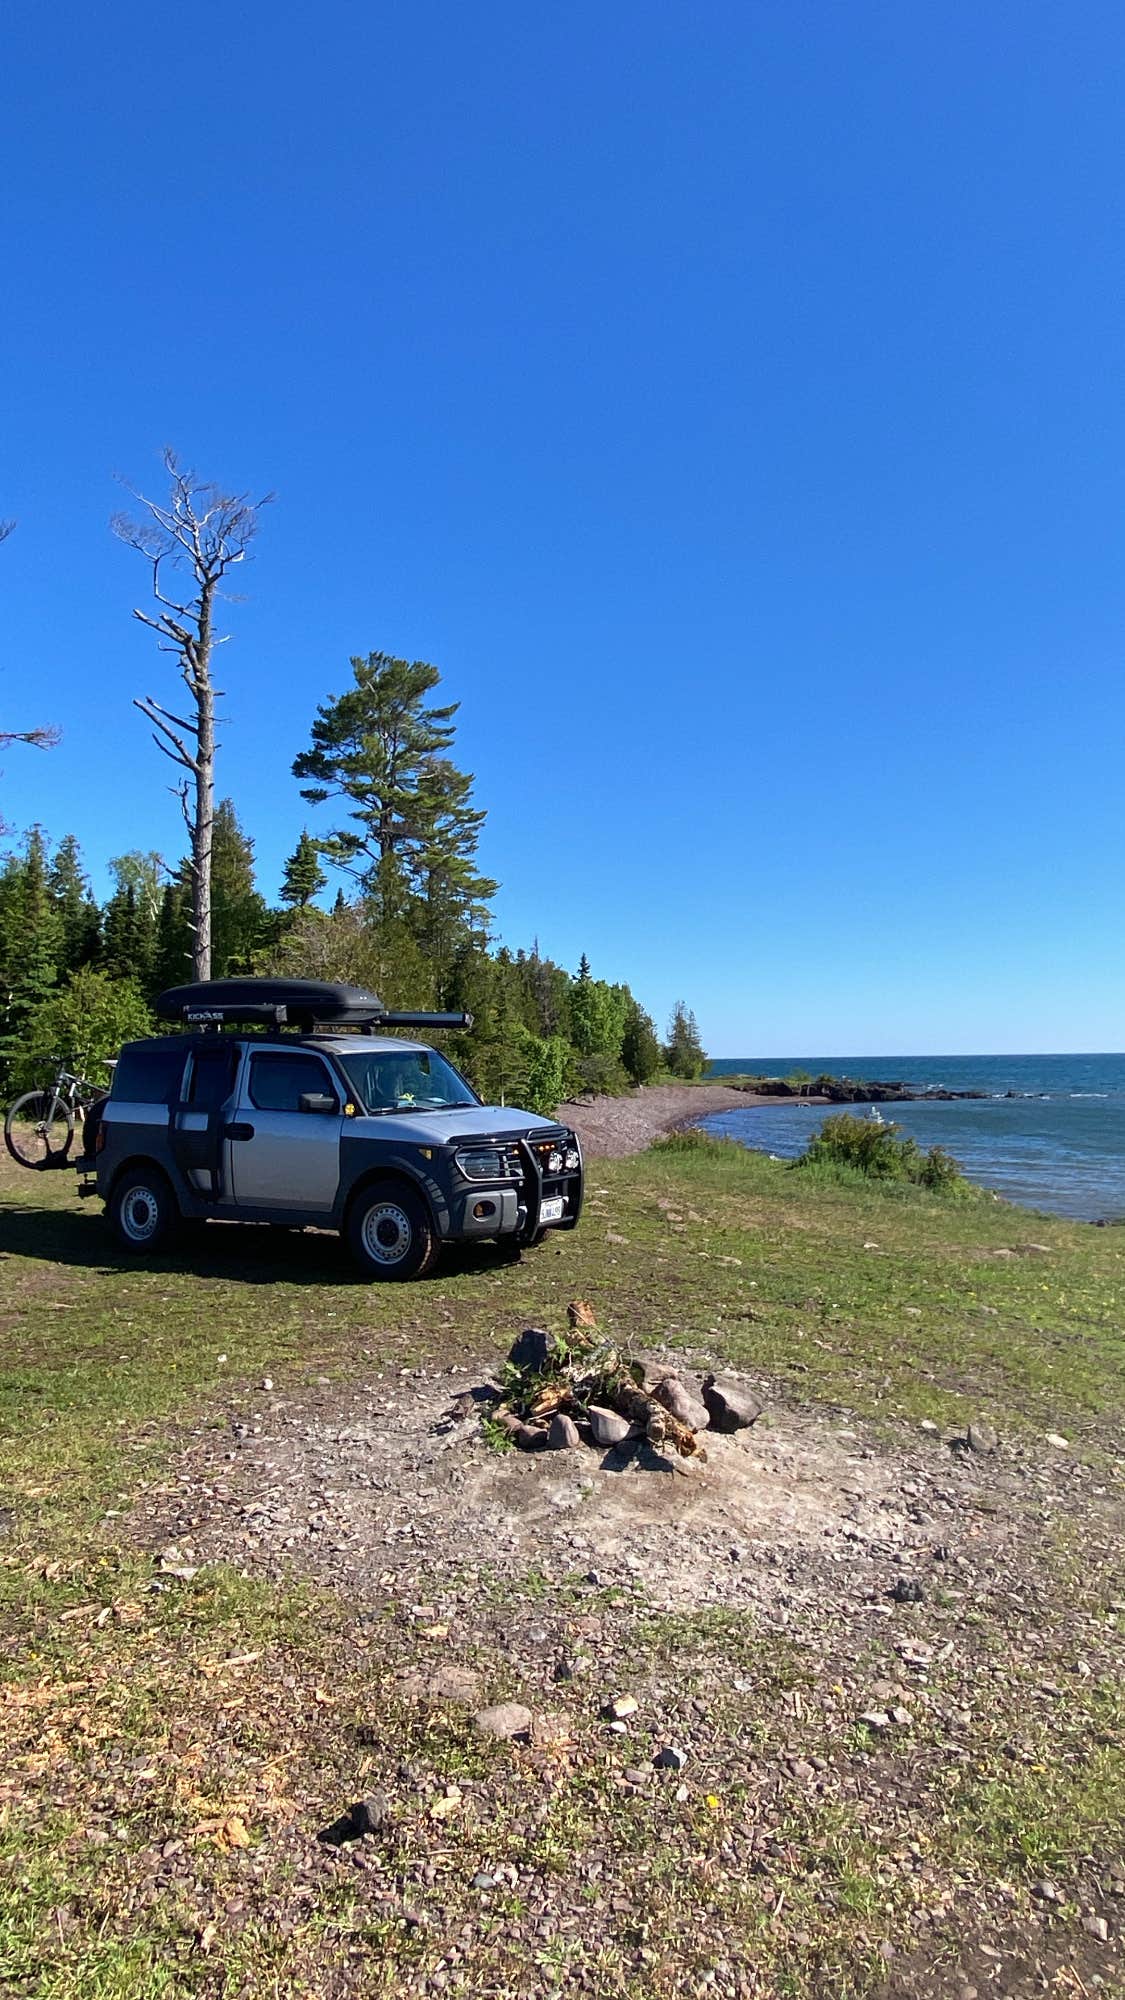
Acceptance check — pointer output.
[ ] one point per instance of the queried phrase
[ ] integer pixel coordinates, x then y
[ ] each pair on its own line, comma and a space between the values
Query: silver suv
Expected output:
274, 1104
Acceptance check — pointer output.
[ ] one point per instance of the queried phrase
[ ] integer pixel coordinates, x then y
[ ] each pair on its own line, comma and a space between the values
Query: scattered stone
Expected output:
728, 1408
532, 1350
483, 1882
1046, 1892
621, 1706
1097, 1927
876, 1719
907, 1591
267, 1382
563, 1433
636, 1777
369, 1815
981, 1437
901, 1717
671, 1758
446, 1683
1059, 1443
676, 1397
609, 1426
928, 1424
505, 1720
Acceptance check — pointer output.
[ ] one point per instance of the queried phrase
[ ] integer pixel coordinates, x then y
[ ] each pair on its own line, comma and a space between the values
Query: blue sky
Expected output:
726, 399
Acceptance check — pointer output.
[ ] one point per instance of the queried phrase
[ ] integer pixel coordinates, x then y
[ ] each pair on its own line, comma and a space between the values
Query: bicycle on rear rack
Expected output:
39, 1126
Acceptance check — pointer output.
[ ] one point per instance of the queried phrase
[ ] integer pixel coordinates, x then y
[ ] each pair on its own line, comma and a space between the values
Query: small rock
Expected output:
801, 1771
907, 1591
532, 1350
901, 1718
562, 1433
674, 1396
609, 1426
981, 1437
928, 1424
1059, 1443
483, 1882
671, 1758
1046, 1892
621, 1706
729, 1409
1097, 1927
267, 1381
633, 1776
876, 1719
505, 1720
368, 1815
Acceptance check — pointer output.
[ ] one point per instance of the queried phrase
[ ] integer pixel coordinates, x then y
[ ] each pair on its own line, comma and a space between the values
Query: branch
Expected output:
151, 714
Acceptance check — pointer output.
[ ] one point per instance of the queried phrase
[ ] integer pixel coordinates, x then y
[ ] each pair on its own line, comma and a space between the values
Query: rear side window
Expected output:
278, 1081
211, 1075
148, 1075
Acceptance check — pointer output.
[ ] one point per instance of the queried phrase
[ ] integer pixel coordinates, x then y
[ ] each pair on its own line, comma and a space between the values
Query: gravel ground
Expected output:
611, 1128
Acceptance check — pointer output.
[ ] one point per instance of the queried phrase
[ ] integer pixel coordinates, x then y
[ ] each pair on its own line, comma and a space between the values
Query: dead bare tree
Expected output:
204, 532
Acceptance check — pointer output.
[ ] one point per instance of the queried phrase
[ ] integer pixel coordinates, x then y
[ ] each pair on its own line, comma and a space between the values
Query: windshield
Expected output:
416, 1080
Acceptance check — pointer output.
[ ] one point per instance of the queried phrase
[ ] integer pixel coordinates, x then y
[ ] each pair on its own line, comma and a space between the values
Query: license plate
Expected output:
551, 1210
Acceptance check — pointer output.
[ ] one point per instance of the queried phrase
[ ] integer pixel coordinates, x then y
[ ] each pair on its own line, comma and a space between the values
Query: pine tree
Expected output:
238, 912
640, 1046
171, 958
684, 1052
78, 913
30, 945
304, 877
412, 838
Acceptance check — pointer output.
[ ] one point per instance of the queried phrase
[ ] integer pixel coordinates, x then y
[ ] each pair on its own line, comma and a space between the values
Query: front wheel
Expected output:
142, 1211
39, 1128
391, 1233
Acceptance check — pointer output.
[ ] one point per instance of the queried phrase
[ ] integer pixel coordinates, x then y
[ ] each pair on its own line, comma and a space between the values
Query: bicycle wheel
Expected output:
39, 1128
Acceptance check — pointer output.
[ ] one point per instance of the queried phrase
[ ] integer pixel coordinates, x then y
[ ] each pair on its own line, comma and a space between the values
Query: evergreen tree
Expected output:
640, 1047
684, 1052
304, 877
238, 912
413, 832
128, 937
171, 958
78, 914
30, 944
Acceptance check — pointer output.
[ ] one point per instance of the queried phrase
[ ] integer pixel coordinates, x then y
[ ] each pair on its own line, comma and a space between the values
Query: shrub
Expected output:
880, 1152
81, 1025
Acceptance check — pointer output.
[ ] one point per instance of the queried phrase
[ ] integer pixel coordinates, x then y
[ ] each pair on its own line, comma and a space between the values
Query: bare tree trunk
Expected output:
205, 532
201, 835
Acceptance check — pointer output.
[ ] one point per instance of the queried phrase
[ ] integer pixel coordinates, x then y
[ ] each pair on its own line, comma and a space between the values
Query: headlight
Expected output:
484, 1165
554, 1163
572, 1160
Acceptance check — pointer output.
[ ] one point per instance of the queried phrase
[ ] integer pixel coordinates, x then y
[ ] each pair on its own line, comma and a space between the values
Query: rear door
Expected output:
280, 1156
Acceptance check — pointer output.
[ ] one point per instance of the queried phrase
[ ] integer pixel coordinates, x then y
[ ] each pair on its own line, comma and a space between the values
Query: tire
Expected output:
38, 1129
142, 1211
391, 1233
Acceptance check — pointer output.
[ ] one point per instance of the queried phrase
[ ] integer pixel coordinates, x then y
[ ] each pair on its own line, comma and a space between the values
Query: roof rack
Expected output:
302, 1004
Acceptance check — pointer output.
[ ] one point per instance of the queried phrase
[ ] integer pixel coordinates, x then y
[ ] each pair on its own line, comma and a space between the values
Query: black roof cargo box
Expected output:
296, 1003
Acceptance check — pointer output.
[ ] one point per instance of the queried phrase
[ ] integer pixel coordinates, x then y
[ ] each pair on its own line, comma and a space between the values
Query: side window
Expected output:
278, 1080
148, 1075
211, 1075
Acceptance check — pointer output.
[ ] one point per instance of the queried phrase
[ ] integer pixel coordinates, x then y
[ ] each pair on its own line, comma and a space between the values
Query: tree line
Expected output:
414, 922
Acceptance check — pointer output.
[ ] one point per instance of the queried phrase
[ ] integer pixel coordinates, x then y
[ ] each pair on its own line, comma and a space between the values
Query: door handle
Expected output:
238, 1131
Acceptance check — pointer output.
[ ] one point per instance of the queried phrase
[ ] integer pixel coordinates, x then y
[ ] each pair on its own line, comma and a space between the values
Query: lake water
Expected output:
1058, 1145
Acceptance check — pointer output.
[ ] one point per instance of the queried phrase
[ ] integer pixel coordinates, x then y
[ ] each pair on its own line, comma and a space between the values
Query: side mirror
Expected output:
317, 1100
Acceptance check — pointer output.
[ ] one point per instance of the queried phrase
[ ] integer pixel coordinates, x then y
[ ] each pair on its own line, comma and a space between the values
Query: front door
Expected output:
281, 1156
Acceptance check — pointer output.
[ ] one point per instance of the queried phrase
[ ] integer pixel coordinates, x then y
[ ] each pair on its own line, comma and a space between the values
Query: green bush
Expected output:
82, 1024
692, 1140
880, 1152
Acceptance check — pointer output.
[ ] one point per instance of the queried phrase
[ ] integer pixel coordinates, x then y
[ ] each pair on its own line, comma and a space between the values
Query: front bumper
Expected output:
512, 1207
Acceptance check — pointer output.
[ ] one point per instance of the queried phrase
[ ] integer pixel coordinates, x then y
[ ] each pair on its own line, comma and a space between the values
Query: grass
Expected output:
133, 1719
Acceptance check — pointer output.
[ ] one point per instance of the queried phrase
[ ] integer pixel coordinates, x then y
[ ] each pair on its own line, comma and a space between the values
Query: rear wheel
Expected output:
142, 1211
391, 1233
39, 1128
